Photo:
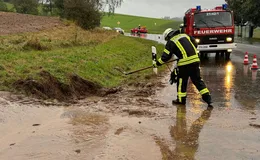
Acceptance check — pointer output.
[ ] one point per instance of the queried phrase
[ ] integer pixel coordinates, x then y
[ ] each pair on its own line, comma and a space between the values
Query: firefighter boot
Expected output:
177, 102
207, 99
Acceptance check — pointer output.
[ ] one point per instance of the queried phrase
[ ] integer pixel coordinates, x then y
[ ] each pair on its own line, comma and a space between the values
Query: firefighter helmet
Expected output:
167, 32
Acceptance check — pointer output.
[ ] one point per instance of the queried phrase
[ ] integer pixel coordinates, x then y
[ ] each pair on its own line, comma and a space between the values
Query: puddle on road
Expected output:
33, 132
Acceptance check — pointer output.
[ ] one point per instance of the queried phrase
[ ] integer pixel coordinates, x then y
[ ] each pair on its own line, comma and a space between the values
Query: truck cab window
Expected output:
213, 19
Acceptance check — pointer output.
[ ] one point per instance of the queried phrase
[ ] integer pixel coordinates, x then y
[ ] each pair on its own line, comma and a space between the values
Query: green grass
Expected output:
92, 61
9, 6
128, 22
257, 33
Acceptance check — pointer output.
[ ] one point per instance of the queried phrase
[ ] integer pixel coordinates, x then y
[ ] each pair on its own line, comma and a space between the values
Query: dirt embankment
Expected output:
48, 87
13, 23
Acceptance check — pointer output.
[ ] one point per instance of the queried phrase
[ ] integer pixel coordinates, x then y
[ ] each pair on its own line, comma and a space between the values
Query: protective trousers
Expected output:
191, 71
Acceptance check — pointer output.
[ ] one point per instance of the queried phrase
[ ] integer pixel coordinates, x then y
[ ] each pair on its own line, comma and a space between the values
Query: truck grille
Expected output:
215, 39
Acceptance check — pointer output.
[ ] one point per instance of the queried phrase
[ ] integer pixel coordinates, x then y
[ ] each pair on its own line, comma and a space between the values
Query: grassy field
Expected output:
9, 6
257, 33
92, 55
128, 22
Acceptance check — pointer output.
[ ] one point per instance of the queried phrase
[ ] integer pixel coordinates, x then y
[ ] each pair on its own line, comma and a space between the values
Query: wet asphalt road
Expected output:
232, 129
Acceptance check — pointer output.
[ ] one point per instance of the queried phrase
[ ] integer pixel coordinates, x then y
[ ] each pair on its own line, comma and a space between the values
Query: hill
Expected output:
127, 22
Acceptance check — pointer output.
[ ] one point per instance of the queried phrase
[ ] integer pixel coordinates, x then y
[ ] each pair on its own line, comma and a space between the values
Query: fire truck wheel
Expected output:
217, 55
222, 53
227, 55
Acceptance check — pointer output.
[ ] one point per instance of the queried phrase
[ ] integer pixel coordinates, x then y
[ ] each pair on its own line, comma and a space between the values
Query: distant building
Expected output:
166, 17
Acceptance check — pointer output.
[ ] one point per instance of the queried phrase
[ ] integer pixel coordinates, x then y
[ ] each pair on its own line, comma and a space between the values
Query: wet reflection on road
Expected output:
226, 132
186, 139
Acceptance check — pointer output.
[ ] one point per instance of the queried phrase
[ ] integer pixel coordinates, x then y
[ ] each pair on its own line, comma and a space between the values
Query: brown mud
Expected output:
93, 128
49, 87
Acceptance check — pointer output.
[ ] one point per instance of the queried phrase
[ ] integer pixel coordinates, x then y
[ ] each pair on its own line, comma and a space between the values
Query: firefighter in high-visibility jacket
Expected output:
185, 48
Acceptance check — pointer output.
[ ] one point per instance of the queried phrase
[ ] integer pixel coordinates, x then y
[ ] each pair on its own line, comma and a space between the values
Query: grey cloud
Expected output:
161, 8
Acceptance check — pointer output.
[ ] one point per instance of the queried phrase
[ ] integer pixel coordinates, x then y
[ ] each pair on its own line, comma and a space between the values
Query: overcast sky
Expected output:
161, 8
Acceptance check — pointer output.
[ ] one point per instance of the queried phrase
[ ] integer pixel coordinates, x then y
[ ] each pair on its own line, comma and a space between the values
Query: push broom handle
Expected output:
147, 67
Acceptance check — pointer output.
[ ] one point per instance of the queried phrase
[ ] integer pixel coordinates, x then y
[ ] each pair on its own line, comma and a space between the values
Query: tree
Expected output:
59, 6
3, 6
110, 4
237, 7
47, 6
251, 11
26, 6
84, 12
244, 11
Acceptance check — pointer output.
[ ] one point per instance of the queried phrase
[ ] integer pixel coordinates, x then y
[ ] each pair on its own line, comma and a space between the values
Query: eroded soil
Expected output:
13, 23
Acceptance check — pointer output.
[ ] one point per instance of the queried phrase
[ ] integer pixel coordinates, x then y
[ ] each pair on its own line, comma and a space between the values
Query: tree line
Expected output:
86, 13
246, 11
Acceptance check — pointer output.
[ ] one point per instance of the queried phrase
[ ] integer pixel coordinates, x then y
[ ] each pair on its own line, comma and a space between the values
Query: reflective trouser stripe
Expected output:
204, 91
181, 94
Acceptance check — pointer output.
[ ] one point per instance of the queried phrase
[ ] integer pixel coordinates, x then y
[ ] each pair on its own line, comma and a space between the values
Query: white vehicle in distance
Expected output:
107, 28
119, 30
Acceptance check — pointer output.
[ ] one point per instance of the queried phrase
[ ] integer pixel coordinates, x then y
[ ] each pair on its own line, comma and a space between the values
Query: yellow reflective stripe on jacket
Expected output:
166, 51
179, 36
189, 60
186, 60
184, 54
204, 91
160, 61
195, 49
176, 39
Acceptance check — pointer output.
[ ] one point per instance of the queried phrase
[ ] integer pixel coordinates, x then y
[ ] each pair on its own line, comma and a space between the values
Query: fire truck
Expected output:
213, 29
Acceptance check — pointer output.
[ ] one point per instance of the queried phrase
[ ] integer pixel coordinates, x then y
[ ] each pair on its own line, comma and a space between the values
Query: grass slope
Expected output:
92, 56
127, 22
256, 33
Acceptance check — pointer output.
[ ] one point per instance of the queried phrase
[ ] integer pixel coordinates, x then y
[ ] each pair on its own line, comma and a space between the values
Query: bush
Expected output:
84, 12
26, 6
3, 6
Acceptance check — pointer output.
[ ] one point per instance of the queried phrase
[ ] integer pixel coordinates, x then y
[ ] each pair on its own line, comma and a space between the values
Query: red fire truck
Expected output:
213, 29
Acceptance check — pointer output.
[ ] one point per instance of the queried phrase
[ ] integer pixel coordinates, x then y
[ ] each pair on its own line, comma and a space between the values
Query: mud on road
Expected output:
136, 122
129, 124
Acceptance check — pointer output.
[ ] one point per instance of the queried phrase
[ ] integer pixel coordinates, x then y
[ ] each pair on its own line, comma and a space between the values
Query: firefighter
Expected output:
185, 48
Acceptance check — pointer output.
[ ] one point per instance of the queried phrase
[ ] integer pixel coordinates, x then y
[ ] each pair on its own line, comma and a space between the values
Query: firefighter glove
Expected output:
174, 76
156, 64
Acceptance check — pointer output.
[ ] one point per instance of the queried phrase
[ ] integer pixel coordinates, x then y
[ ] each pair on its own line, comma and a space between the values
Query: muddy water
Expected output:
133, 125
231, 130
